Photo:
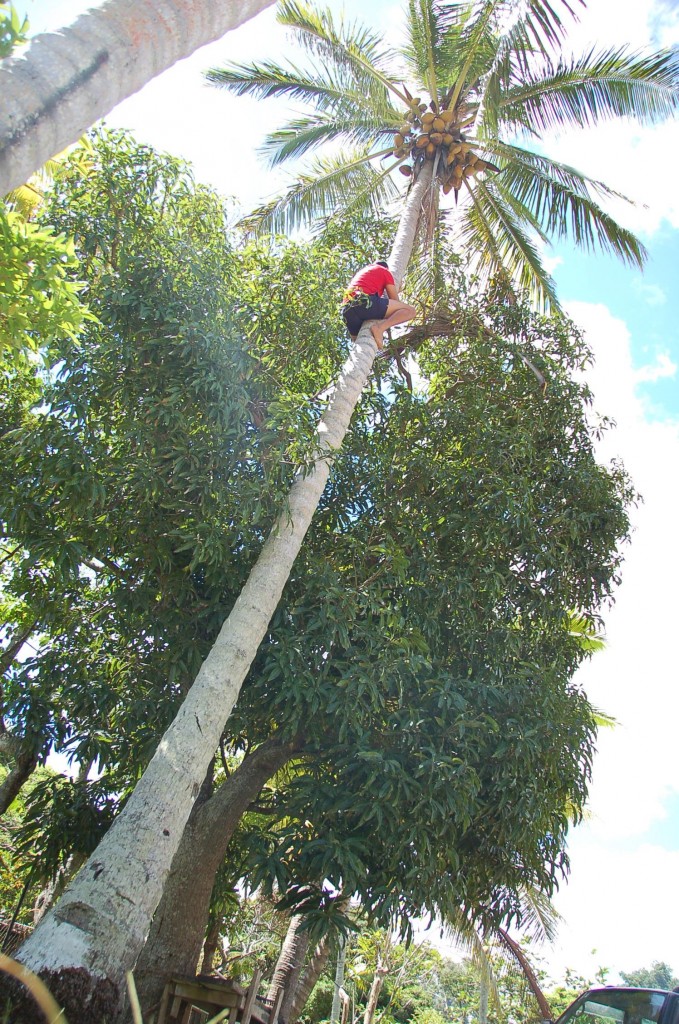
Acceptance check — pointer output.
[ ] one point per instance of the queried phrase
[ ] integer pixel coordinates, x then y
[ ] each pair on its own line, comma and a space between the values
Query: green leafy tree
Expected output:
164, 795
658, 975
39, 299
424, 687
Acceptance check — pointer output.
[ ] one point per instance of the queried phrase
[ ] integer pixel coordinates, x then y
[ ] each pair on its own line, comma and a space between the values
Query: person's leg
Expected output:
397, 313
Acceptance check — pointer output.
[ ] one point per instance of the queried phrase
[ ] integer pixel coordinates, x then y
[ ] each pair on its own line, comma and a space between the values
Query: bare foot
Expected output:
377, 335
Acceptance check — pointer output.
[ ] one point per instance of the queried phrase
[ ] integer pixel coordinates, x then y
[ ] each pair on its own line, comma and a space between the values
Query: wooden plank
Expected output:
164, 1003
278, 999
251, 996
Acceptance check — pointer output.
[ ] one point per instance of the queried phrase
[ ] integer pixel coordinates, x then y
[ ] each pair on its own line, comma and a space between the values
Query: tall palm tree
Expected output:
66, 81
484, 66
488, 82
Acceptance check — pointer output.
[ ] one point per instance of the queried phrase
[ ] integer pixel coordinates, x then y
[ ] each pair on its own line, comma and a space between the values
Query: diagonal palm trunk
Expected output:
66, 81
101, 922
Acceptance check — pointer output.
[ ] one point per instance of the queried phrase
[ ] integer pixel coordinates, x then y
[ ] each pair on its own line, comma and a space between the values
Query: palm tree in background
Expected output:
463, 103
485, 68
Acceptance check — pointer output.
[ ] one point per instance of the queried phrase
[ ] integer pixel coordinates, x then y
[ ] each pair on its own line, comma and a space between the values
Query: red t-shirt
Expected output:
371, 279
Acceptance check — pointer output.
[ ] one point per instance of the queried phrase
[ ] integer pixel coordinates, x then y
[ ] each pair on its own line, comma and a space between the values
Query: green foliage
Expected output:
13, 29
422, 654
14, 871
39, 299
658, 975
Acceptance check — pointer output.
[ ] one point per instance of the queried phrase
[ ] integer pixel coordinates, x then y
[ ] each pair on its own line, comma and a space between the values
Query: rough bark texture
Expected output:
24, 766
306, 983
178, 928
101, 922
289, 966
211, 945
381, 971
65, 81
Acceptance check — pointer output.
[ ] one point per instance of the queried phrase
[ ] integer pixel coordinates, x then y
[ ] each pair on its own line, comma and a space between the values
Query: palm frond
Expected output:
420, 51
303, 134
350, 45
494, 233
539, 917
329, 184
560, 201
319, 88
472, 37
593, 88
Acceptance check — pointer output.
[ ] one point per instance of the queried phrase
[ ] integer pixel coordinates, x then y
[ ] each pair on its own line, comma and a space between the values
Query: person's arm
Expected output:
392, 291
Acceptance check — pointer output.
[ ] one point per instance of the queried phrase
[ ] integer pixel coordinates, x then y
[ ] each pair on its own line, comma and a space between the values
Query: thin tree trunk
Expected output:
381, 971
178, 928
309, 978
517, 952
24, 766
211, 944
100, 924
339, 981
66, 81
484, 991
289, 966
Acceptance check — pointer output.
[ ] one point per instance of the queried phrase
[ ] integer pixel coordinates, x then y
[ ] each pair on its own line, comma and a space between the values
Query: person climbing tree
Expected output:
372, 295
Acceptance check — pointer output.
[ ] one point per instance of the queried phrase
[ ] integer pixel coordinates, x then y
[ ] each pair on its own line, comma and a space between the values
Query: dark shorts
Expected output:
363, 307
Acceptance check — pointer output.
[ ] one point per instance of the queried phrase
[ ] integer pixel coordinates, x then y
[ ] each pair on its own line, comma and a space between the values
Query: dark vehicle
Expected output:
612, 1005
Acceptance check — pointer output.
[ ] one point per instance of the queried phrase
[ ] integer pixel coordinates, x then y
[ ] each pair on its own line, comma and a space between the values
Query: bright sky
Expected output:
621, 901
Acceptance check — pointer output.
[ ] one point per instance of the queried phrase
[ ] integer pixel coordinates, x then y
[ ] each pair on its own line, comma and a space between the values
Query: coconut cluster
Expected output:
428, 132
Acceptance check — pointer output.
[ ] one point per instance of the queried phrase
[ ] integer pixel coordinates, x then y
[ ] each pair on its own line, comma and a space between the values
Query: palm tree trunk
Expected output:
289, 966
178, 928
66, 81
517, 952
100, 924
306, 984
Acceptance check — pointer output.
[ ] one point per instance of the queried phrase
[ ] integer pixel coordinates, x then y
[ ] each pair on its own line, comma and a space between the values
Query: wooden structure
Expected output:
212, 995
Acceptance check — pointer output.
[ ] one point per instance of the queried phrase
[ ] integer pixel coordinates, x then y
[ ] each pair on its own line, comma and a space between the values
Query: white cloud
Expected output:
617, 897
652, 372
621, 913
651, 294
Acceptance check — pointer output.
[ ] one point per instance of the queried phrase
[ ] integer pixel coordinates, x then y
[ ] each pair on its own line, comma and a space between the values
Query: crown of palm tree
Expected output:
472, 87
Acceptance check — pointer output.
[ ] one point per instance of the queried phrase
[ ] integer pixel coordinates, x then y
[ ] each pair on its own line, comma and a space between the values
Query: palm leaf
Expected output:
353, 46
592, 88
268, 79
304, 134
494, 230
328, 185
559, 199
420, 51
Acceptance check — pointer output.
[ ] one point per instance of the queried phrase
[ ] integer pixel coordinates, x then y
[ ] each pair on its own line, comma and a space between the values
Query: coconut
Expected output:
430, 150
398, 140
406, 169
436, 138
439, 124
